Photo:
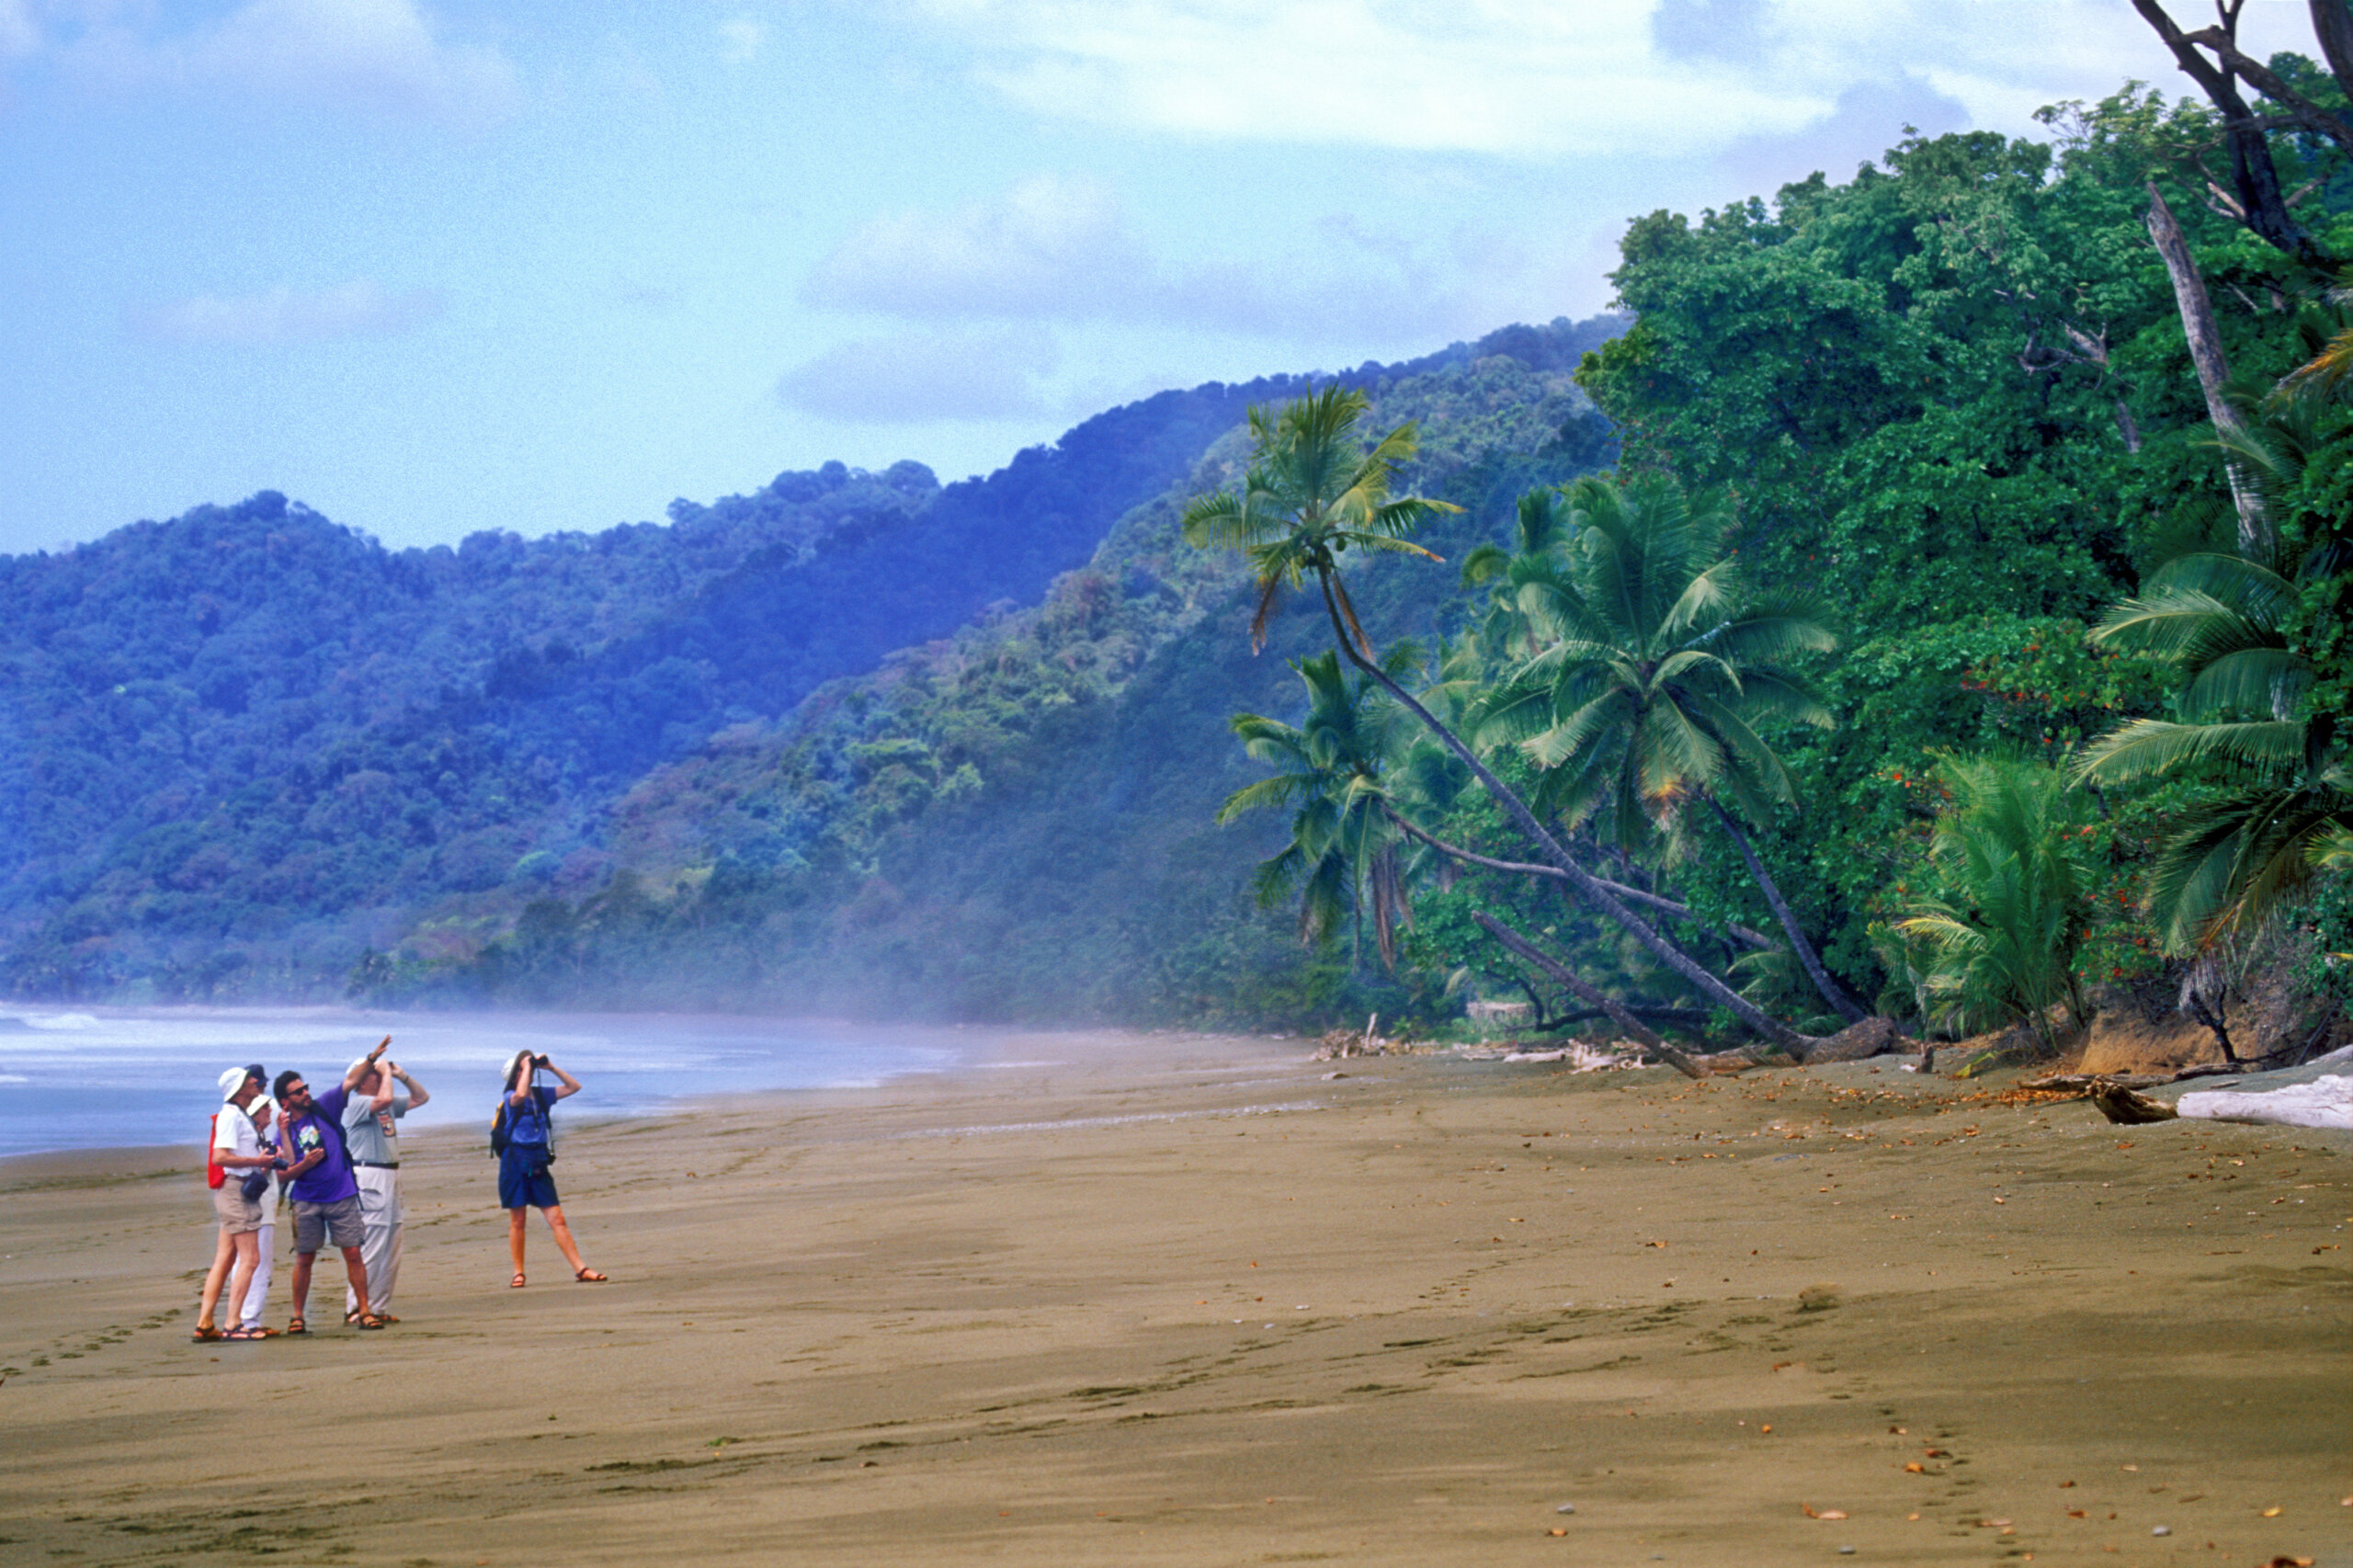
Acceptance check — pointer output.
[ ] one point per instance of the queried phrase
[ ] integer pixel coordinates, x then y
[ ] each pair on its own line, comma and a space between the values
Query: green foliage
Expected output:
1996, 938
1344, 851
2245, 720
1654, 667
1312, 491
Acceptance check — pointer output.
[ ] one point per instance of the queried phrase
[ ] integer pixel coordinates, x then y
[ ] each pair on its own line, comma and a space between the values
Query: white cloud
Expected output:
919, 377
1532, 78
1058, 249
359, 309
1870, 118
382, 56
1049, 246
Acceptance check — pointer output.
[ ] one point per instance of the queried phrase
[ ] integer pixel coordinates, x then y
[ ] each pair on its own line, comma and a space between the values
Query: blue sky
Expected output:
434, 265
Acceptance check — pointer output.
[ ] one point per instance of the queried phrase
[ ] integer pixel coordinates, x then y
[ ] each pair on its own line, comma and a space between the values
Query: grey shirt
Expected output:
374, 1140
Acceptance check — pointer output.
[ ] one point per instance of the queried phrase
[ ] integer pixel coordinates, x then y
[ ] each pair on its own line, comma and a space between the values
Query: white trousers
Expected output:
380, 1240
257, 1293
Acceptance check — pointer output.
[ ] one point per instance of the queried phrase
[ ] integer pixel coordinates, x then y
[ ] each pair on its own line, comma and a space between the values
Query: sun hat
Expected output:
231, 1082
514, 1062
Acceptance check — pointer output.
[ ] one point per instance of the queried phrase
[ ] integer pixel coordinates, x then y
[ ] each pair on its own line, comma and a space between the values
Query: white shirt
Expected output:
232, 1133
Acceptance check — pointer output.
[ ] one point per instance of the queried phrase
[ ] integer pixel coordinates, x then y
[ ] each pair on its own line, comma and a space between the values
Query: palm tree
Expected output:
1311, 493
1655, 671
1345, 769
2001, 942
1541, 534
1343, 855
2232, 862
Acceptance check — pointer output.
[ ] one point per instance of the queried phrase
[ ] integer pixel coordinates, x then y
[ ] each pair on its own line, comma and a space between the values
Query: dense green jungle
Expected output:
1887, 612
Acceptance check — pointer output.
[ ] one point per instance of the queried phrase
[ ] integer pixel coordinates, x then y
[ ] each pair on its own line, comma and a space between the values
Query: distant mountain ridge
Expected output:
239, 748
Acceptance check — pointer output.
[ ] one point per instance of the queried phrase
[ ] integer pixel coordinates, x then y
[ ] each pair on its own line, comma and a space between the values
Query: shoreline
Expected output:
1137, 1304
126, 1071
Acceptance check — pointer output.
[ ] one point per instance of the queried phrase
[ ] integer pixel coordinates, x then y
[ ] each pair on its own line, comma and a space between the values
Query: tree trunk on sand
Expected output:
1640, 1033
1587, 885
2213, 370
1832, 991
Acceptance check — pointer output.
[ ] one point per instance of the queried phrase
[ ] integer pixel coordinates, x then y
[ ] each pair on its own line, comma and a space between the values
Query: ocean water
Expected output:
114, 1077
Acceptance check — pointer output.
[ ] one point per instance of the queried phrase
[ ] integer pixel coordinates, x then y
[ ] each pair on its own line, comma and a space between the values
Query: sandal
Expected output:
257, 1332
515, 1283
367, 1320
297, 1328
590, 1276
246, 1333
205, 1332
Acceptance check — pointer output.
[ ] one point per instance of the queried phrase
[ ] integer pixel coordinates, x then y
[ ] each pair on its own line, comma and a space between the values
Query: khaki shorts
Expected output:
337, 1222
236, 1215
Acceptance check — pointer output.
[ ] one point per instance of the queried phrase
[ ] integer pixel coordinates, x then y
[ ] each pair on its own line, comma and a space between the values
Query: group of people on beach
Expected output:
333, 1158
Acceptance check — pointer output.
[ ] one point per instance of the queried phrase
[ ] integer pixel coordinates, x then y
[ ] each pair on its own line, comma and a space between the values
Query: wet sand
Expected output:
1173, 1300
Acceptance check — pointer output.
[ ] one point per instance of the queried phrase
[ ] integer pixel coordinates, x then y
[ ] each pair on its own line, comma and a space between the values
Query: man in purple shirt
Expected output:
325, 1197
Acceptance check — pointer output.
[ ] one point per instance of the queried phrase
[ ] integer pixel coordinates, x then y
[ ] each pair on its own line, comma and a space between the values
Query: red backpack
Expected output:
214, 1174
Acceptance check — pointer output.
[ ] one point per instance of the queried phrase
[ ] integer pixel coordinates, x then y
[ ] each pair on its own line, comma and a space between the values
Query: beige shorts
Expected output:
237, 1216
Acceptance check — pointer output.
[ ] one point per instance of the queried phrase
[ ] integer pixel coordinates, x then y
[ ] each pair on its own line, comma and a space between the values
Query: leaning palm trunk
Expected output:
1732, 935
1636, 1030
1831, 991
1588, 887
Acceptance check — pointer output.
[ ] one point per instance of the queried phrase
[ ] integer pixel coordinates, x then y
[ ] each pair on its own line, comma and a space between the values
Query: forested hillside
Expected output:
243, 748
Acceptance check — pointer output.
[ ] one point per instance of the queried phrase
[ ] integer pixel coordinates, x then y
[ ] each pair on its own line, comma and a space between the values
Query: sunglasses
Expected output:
298, 1091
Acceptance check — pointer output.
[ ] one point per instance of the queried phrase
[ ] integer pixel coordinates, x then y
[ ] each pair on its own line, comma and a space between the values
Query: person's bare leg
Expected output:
517, 1231
554, 1211
355, 1269
300, 1285
214, 1278
249, 1245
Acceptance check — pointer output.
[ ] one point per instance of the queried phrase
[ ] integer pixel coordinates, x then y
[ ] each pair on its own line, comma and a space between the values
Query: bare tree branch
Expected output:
2253, 174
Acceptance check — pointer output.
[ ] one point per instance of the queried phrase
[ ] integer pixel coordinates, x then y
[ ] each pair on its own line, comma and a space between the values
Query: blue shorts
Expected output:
523, 1178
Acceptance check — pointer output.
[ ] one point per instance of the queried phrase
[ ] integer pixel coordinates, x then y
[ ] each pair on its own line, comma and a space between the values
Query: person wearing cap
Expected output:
374, 1096
325, 1198
524, 1183
237, 1151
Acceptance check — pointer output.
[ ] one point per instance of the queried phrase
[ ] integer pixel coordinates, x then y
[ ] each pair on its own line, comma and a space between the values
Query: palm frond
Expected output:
1573, 733
2146, 747
2249, 680
1265, 794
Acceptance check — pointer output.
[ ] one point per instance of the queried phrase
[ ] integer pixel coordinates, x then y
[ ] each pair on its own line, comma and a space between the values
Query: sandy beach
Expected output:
1121, 1299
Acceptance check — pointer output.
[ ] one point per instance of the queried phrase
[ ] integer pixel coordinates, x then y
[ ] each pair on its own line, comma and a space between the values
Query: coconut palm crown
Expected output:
1344, 851
1657, 669
1314, 491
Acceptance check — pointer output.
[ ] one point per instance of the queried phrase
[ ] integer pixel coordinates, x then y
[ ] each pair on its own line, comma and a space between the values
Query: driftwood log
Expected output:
2128, 1108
